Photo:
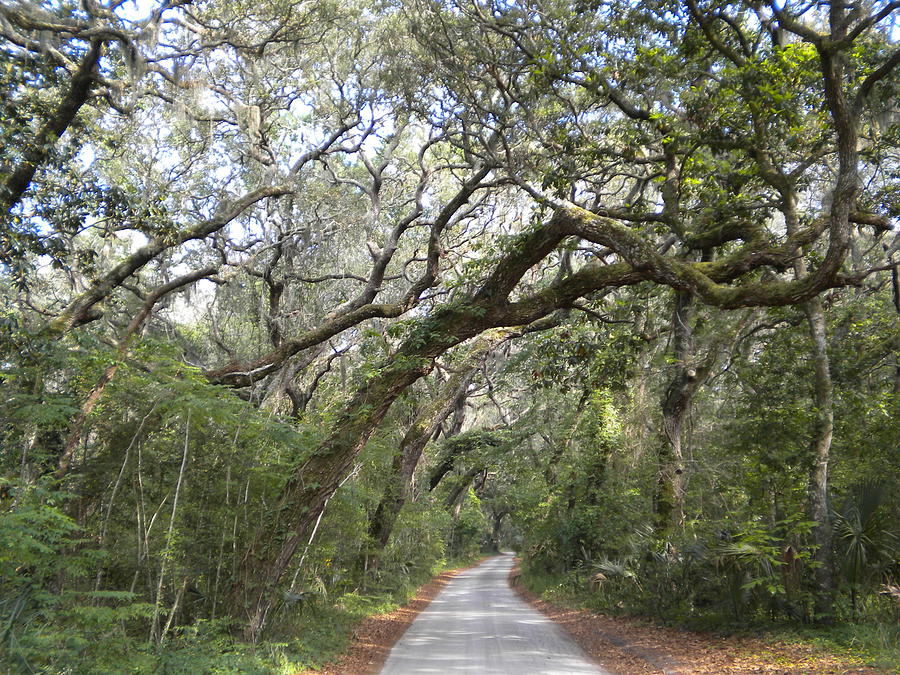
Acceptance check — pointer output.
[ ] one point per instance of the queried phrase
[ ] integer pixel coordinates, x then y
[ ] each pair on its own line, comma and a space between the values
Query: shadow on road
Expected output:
478, 625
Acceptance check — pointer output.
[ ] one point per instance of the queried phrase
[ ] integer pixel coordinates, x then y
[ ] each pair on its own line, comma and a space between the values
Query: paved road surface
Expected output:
477, 624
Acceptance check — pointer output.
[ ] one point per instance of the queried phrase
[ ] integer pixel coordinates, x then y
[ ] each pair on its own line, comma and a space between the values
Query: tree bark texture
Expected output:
820, 451
821, 434
316, 479
669, 497
691, 372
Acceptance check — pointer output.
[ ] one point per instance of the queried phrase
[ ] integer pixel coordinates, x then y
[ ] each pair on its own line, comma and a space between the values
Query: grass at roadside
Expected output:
374, 637
306, 636
877, 644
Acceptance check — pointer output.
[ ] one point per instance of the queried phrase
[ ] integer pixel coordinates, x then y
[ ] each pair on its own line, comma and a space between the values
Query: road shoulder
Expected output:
629, 646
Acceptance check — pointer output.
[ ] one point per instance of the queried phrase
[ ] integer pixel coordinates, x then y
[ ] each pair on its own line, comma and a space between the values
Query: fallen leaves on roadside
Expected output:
631, 647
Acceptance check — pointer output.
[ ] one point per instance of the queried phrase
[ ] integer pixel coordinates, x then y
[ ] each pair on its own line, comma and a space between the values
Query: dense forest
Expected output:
303, 300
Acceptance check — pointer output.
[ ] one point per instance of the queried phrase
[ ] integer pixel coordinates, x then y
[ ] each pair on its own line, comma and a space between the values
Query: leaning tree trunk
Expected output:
399, 486
451, 399
40, 150
310, 486
313, 482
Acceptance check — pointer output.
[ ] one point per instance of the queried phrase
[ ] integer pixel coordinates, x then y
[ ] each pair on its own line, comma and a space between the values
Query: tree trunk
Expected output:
496, 525
452, 397
895, 289
314, 481
460, 488
691, 372
669, 496
38, 152
822, 432
820, 450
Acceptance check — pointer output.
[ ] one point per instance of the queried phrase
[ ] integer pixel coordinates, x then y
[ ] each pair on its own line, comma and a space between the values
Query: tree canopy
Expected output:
278, 272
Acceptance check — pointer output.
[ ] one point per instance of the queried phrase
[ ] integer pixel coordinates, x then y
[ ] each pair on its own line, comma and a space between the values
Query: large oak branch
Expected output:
38, 151
315, 480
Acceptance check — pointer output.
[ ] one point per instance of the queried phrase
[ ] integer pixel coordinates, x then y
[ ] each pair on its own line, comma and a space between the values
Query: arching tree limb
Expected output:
38, 151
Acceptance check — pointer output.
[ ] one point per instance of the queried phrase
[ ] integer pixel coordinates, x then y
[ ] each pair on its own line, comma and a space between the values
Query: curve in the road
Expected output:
479, 625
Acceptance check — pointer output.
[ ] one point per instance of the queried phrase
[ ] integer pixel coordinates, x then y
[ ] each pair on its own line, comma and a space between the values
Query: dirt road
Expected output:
478, 625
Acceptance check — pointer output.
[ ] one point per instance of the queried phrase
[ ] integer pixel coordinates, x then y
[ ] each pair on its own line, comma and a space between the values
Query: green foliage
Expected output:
866, 538
468, 532
32, 530
690, 138
50, 620
419, 543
